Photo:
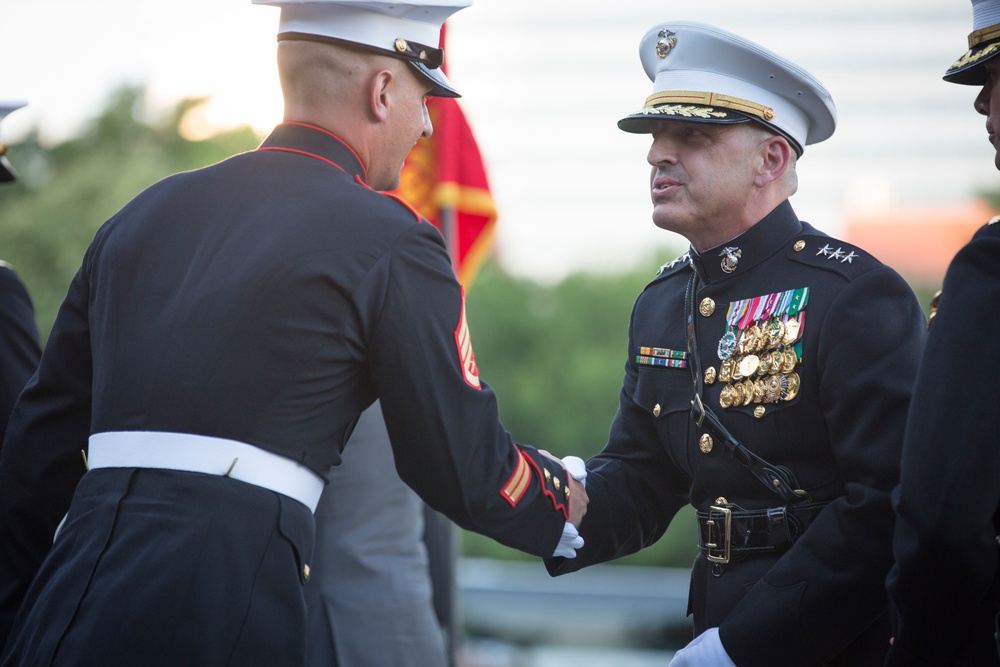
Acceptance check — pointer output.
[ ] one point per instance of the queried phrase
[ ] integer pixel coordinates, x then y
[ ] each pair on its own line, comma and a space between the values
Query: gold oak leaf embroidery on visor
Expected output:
684, 111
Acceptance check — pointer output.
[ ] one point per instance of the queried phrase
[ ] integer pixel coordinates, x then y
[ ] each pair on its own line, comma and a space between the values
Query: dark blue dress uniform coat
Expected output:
838, 427
267, 299
19, 345
945, 582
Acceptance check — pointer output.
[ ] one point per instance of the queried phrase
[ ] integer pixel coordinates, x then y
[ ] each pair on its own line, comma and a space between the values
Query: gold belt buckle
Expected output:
719, 511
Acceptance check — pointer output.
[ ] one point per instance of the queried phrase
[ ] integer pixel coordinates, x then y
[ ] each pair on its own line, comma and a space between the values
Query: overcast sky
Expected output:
544, 84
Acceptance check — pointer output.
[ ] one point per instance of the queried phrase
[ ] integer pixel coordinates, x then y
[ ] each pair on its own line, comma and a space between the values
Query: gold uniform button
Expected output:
759, 411
656, 410
799, 245
706, 307
705, 443
306, 571
567, 492
548, 475
555, 483
401, 45
710, 375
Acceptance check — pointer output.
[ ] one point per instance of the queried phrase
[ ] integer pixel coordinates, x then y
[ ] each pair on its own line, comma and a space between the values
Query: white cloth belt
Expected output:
202, 453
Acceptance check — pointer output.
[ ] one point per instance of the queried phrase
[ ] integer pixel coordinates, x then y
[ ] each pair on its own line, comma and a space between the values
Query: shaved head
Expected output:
375, 103
317, 77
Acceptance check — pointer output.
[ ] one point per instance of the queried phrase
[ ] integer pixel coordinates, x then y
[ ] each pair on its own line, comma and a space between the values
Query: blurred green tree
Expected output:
65, 192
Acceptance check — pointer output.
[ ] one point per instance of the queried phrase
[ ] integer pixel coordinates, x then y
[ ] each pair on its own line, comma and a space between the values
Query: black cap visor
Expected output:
969, 70
441, 85
646, 121
7, 173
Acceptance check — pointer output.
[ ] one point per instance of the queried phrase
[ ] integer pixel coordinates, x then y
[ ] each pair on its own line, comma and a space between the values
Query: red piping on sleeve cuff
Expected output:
517, 485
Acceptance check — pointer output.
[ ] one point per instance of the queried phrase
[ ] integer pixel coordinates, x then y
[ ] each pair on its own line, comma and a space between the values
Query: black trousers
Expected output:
163, 568
715, 590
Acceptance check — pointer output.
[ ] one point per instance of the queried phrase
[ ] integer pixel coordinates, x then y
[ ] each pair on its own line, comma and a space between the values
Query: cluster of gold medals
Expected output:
762, 369
759, 357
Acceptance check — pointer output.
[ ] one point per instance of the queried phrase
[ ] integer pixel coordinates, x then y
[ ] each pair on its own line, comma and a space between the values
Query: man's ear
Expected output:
775, 158
380, 94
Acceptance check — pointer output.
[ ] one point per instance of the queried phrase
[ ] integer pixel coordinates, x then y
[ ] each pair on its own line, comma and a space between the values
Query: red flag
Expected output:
445, 180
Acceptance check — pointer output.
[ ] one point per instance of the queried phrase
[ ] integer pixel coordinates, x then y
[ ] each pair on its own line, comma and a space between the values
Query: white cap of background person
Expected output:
984, 44
704, 74
408, 30
7, 172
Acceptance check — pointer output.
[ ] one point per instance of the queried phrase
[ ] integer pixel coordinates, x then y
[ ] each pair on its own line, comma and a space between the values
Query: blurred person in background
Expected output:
370, 596
19, 341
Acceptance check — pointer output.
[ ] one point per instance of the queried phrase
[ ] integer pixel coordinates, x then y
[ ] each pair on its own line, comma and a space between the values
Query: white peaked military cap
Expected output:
7, 172
705, 74
409, 29
984, 43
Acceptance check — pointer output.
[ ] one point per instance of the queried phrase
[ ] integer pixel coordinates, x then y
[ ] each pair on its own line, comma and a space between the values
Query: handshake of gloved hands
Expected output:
571, 540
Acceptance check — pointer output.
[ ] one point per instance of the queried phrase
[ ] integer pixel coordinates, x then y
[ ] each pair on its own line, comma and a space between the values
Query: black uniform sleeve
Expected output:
448, 442
945, 538
19, 343
41, 463
818, 596
635, 490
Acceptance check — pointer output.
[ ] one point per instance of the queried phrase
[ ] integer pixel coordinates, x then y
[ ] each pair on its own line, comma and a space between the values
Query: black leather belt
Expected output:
728, 530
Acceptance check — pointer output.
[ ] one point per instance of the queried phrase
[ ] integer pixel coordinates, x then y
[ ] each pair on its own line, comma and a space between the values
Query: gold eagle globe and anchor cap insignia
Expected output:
704, 74
668, 40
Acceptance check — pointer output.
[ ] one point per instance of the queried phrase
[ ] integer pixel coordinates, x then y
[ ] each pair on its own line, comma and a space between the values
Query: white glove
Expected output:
571, 540
705, 650
576, 468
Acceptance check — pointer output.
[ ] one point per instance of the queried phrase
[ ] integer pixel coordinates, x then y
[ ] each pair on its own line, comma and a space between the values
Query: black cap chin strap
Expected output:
430, 56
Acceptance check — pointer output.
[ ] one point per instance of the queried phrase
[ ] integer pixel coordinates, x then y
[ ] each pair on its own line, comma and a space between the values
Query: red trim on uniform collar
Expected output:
306, 153
334, 136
